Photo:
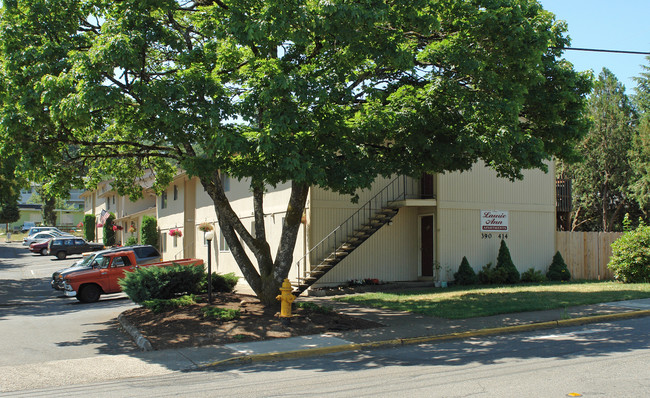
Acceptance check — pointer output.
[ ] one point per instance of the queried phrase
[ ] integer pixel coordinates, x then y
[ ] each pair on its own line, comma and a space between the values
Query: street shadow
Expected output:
37, 298
556, 344
109, 337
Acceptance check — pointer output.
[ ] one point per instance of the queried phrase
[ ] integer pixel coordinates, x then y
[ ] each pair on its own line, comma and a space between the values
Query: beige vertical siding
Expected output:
391, 254
530, 240
482, 186
531, 211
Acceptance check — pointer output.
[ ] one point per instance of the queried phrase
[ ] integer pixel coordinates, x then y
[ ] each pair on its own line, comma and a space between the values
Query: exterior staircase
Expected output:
351, 234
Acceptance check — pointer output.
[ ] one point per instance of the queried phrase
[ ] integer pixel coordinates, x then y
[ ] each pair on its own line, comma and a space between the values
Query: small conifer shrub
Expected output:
505, 264
558, 270
465, 274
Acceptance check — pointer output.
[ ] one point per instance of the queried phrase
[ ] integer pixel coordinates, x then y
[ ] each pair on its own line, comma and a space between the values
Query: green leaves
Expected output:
320, 93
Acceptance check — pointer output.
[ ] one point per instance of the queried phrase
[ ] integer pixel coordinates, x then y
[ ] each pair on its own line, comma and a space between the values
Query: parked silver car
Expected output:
40, 236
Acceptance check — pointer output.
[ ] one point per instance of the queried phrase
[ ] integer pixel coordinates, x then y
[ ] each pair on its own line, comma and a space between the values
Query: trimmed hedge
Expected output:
149, 231
109, 234
149, 283
630, 260
89, 227
220, 283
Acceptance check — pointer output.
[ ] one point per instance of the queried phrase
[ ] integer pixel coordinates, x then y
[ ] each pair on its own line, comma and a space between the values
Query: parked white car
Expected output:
40, 236
35, 230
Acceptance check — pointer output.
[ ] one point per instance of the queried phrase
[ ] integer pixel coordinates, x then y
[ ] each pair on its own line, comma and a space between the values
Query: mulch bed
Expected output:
187, 326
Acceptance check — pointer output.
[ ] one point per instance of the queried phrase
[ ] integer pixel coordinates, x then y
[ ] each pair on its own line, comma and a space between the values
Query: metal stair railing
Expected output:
400, 188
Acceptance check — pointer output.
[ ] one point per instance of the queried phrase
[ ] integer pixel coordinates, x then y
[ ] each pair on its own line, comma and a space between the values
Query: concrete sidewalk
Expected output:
398, 328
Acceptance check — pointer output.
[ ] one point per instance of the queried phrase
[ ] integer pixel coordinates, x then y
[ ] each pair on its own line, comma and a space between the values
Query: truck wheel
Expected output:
61, 255
89, 294
43, 251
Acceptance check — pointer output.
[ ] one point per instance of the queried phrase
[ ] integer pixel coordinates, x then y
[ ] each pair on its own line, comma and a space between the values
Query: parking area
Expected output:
43, 325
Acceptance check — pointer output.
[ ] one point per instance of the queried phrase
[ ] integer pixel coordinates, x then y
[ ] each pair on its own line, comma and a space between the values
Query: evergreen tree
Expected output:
505, 264
558, 270
602, 181
109, 234
149, 231
89, 227
465, 274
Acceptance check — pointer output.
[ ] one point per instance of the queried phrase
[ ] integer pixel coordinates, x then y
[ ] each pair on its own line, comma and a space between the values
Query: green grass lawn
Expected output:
469, 302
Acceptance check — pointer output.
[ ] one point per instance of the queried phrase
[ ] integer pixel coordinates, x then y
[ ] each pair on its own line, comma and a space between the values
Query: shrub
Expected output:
109, 234
89, 227
491, 276
148, 283
630, 260
465, 274
161, 305
504, 262
132, 240
558, 270
225, 314
149, 231
533, 276
220, 283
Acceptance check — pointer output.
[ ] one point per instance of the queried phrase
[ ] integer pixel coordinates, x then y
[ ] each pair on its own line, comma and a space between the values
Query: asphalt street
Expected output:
39, 324
55, 346
599, 360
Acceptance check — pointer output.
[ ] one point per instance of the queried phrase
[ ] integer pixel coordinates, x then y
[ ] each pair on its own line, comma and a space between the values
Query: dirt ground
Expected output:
187, 327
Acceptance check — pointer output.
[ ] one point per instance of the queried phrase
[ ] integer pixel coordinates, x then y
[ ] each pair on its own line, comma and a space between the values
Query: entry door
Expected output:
426, 236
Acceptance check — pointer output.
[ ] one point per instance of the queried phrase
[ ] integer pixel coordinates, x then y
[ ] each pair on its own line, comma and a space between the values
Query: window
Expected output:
163, 242
118, 262
108, 203
175, 240
223, 245
175, 192
146, 251
113, 199
163, 200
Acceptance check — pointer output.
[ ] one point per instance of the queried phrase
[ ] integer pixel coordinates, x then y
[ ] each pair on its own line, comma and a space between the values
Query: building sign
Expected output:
494, 221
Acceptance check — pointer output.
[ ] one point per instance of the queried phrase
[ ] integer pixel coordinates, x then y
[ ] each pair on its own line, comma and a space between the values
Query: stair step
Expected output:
378, 219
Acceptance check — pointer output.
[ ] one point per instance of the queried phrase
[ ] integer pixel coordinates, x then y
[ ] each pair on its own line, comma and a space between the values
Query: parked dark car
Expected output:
144, 254
62, 247
39, 247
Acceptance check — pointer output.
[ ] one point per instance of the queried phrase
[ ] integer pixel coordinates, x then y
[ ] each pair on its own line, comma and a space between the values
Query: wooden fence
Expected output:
586, 253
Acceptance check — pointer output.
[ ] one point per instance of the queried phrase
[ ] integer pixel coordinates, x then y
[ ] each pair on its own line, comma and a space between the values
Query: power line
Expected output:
606, 51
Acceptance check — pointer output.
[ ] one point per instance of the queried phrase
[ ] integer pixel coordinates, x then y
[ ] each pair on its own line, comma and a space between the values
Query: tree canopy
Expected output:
318, 93
602, 180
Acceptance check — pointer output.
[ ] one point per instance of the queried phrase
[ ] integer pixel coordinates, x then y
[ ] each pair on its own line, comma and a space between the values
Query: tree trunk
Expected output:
266, 278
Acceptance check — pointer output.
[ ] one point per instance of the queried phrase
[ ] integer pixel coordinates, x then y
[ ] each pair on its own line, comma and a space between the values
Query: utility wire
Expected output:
606, 51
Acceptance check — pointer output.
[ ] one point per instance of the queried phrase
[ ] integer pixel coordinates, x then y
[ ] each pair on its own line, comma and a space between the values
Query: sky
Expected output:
609, 25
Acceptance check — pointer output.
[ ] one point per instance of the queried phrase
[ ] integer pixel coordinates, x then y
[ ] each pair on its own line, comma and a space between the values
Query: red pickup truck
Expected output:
87, 286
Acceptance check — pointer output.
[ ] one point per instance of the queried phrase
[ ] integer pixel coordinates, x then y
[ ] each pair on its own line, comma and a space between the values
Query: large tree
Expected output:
640, 153
602, 180
9, 190
315, 93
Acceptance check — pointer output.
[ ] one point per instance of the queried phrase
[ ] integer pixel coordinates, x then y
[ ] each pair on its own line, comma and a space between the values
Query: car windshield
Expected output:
88, 261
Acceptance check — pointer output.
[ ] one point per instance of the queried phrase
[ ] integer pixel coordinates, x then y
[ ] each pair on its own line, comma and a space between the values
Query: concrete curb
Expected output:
310, 352
140, 340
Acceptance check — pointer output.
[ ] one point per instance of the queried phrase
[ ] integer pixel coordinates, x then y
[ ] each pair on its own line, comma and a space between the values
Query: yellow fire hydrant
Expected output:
286, 298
